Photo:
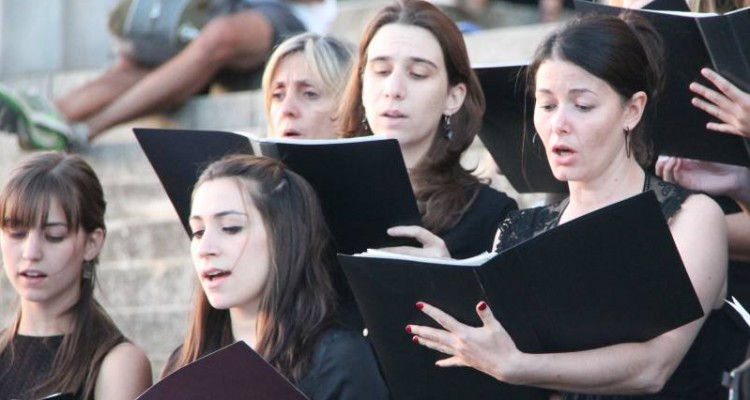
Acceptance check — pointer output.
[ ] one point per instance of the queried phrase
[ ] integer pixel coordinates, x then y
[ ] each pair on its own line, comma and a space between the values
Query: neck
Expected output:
245, 325
619, 182
413, 154
40, 320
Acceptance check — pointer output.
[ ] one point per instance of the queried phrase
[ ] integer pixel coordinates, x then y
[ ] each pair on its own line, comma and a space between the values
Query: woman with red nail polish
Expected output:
594, 81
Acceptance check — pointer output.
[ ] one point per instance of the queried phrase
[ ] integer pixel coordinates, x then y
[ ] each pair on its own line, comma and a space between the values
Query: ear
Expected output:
634, 108
455, 99
94, 242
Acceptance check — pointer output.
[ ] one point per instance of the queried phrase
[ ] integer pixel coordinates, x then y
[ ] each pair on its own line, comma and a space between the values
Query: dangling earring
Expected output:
447, 130
627, 141
88, 270
365, 125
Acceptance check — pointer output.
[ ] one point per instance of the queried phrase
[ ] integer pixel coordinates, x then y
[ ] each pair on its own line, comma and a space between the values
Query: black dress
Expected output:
33, 357
475, 232
719, 345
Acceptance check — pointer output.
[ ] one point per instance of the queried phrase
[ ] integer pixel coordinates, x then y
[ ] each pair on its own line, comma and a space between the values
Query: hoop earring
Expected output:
627, 141
533, 138
447, 130
365, 125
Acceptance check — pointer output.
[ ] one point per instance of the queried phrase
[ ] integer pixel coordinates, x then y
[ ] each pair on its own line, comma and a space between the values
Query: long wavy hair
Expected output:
298, 301
443, 188
26, 199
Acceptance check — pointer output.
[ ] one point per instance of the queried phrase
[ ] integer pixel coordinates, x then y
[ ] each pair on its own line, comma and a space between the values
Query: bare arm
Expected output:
628, 368
125, 373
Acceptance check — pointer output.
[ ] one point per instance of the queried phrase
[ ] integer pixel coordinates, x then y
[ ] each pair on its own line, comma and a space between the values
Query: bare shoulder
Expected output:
699, 209
124, 374
700, 233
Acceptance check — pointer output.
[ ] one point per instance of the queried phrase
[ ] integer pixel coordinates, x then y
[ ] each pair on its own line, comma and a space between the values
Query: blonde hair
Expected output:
329, 59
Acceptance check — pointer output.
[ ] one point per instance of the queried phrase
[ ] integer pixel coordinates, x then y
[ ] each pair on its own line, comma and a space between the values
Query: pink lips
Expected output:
213, 277
394, 114
291, 133
563, 154
32, 275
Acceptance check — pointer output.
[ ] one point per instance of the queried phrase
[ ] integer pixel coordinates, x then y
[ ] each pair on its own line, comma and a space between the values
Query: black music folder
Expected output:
611, 276
362, 183
235, 372
508, 129
693, 41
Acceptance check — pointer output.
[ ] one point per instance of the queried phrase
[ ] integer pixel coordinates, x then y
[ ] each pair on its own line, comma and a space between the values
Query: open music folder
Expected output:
611, 276
362, 183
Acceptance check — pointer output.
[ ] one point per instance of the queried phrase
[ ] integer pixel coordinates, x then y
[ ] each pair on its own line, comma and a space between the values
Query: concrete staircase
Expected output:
146, 276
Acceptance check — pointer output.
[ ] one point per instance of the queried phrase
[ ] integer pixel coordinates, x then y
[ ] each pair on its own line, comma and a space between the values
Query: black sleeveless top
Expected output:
718, 345
32, 364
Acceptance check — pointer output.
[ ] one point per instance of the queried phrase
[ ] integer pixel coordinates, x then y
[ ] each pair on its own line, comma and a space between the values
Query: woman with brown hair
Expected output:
61, 340
265, 279
412, 81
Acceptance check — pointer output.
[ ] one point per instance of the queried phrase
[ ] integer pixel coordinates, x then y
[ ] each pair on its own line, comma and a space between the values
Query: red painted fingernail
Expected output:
420, 305
482, 306
415, 339
408, 328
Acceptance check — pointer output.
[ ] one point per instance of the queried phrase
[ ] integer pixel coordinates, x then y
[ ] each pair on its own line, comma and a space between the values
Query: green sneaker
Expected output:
37, 129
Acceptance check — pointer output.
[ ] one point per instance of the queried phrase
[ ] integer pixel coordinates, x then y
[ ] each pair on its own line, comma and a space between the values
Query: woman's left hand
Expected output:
730, 104
432, 245
487, 348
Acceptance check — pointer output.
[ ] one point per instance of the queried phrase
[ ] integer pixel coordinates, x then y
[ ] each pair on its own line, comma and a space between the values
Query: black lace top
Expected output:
714, 351
524, 224
32, 364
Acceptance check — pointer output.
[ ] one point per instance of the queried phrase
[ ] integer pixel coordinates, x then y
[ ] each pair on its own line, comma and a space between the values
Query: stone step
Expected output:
135, 284
142, 238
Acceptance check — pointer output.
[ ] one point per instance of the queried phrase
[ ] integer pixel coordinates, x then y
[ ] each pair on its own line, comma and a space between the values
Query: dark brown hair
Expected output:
444, 189
624, 51
24, 201
298, 301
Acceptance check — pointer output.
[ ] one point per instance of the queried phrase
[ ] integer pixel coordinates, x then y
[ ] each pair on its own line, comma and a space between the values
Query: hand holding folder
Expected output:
611, 276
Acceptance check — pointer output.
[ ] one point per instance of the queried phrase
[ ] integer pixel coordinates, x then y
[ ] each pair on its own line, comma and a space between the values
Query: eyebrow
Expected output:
571, 91
55, 224
219, 215
412, 59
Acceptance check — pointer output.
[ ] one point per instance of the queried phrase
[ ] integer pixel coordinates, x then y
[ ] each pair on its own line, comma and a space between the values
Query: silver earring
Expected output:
533, 138
447, 130
88, 270
627, 141
365, 125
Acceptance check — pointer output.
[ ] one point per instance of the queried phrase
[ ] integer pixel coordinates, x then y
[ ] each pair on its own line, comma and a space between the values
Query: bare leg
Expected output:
239, 41
85, 101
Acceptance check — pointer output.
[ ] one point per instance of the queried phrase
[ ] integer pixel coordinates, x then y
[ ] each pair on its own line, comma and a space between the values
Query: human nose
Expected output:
207, 245
395, 86
32, 248
559, 121
289, 106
